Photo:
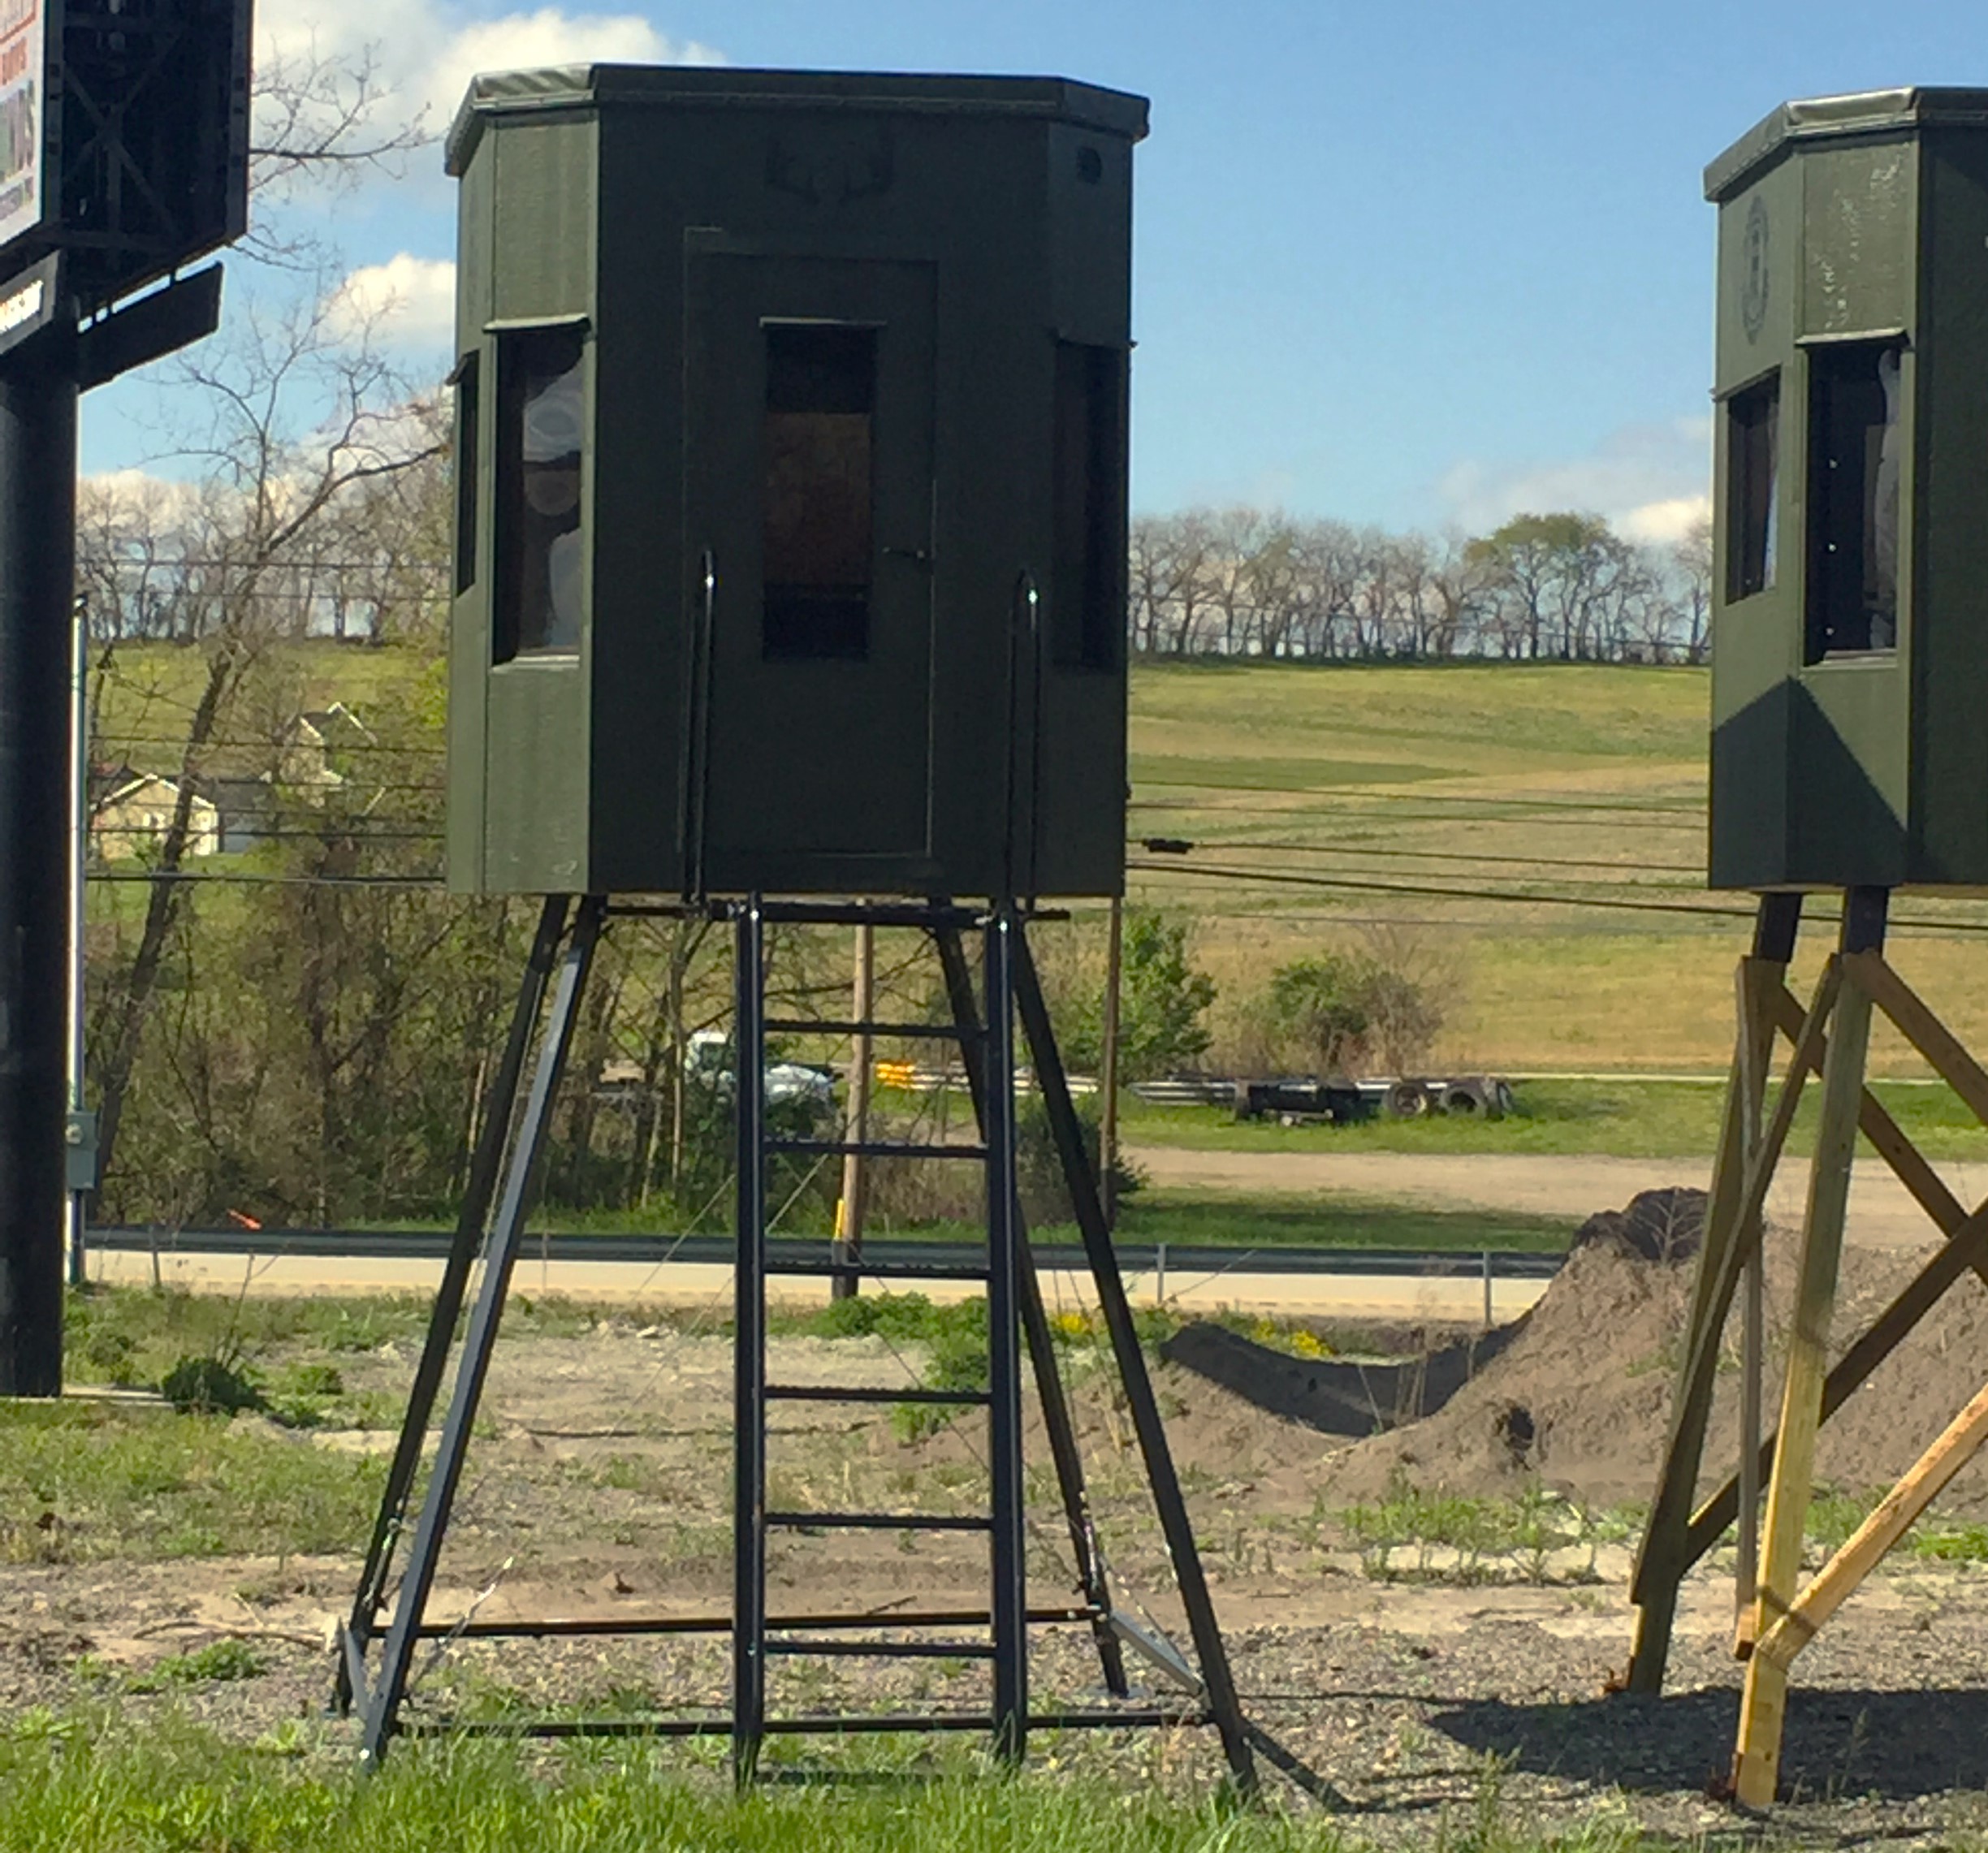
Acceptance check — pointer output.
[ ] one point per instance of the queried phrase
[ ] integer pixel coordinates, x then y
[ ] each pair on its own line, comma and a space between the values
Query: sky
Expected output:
1425, 263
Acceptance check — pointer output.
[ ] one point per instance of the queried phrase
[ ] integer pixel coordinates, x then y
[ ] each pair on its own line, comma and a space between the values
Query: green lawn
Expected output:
1504, 826
1333, 1219
89, 1782
1624, 1119
84, 1481
1472, 807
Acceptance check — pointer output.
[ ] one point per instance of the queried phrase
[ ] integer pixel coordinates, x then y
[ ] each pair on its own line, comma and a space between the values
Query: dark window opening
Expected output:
466, 458
1854, 439
541, 419
1752, 488
817, 518
1087, 600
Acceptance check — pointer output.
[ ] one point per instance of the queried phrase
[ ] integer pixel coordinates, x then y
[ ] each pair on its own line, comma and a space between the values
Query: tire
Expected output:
1407, 1100
1470, 1100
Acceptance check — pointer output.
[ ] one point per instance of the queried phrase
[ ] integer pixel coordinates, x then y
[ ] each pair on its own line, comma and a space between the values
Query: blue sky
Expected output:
1420, 263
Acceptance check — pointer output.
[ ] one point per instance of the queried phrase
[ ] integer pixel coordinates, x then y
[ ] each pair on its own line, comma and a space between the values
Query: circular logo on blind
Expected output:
1753, 271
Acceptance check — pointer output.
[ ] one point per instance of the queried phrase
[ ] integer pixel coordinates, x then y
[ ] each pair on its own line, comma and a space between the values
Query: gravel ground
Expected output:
599, 1488
1407, 1705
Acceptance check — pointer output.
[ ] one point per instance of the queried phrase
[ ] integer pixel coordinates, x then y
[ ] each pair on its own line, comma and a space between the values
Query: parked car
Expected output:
708, 1059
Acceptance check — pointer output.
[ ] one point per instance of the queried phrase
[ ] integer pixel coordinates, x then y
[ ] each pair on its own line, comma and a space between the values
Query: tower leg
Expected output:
1758, 982
1008, 1607
1223, 1708
749, 1530
1063, 1454
479, 1191
1757, 1756
1665, 1556
500, 1254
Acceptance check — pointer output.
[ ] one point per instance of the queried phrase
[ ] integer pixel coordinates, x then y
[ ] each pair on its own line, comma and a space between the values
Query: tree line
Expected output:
1560, 586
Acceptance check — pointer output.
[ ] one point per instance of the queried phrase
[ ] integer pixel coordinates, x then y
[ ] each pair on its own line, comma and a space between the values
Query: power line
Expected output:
1265, 877
243, 877
1365, 850
1331, 790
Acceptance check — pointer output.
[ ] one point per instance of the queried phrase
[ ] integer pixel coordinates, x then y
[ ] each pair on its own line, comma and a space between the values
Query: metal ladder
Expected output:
998, 1635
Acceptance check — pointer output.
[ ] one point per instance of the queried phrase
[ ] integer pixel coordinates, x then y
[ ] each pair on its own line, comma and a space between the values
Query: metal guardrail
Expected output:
656, 1249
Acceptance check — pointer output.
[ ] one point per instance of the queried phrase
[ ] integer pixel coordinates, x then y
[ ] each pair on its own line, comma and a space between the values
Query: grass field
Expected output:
1508, 826
77, 1782
1622, 1119
1512, 823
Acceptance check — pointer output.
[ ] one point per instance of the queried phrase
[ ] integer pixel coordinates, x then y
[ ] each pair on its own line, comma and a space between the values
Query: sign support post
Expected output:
37, 524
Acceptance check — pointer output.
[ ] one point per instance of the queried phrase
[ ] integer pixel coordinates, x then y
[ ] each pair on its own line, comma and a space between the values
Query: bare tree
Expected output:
1690, 564
268, 488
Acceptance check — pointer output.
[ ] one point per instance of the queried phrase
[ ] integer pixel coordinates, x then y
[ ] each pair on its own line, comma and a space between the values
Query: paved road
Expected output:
1320, 1296
1881, 1215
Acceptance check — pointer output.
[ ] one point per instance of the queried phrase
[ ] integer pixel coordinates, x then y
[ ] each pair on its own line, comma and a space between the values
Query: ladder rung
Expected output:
874, 1522
873, 1148
868, 1392
882, 1650
902, 1032
883, 1270
838, 1724
539, 1627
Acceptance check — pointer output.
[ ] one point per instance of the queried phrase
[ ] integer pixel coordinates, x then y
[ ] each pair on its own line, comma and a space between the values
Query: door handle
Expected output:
919, 557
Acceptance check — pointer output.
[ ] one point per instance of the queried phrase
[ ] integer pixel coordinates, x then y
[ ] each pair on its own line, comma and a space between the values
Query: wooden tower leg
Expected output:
1759, 984
1666, 1556
1756, 1755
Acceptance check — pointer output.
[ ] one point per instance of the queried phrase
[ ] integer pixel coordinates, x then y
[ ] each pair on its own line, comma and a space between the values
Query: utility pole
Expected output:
850, 1211
37, 525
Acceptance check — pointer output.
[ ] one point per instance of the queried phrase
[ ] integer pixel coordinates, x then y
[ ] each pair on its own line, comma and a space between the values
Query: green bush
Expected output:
210, 1384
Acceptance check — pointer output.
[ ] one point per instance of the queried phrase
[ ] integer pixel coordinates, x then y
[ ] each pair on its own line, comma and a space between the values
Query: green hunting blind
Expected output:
1850, 639
791, 410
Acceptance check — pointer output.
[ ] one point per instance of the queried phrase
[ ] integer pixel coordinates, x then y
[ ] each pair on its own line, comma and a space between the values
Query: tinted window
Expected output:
542, 416
1088, 595
1752, 488
466, 454
1854, 434
818, 443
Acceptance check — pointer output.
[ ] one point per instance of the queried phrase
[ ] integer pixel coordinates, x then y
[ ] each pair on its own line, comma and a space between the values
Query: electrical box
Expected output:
791, 439
1850, 597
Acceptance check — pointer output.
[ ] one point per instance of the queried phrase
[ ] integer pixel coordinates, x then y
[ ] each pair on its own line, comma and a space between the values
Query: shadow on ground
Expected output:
1896, 1746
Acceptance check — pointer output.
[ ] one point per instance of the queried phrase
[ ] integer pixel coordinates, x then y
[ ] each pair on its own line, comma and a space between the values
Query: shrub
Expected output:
209, 1383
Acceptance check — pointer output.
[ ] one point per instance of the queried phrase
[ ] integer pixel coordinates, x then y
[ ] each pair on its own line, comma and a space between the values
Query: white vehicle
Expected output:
709, 1059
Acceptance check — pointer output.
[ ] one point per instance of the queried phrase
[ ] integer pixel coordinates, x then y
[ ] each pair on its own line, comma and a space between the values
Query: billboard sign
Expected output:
23, 94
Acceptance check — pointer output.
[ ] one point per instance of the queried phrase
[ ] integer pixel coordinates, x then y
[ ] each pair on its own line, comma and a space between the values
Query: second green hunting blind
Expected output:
791, 424
1850, 638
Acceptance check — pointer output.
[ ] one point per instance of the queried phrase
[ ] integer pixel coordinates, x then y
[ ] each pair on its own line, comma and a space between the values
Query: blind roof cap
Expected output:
714, 87
1868, 112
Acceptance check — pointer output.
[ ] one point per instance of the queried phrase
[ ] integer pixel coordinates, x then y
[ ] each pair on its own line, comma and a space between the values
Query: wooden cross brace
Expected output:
1828, 1037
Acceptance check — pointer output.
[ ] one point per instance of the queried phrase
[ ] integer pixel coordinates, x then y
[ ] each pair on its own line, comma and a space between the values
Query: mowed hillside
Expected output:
1538, 833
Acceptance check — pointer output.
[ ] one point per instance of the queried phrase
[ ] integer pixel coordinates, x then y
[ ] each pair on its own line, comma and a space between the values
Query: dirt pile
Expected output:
1580, 1398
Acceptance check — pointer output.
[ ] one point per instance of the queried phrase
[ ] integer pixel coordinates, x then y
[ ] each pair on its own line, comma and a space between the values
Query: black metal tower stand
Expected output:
983, 1027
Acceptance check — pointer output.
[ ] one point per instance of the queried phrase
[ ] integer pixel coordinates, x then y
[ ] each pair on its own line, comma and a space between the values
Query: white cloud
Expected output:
1657, 524
1649, 481
425, 52
519, 41
408, 301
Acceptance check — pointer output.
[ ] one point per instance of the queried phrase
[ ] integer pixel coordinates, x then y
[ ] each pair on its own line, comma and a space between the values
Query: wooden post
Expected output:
1865, 1547
1758, 981
1739, 1186
849, 1211
1108, 1080
1756, 1755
